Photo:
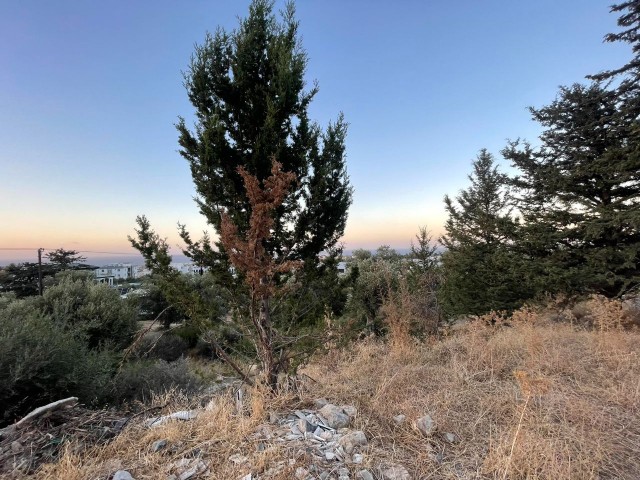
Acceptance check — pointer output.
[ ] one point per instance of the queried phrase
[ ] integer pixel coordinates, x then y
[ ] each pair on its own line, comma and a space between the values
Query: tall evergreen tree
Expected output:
580, 192
629, 21
251, 108
479, 270
247, 88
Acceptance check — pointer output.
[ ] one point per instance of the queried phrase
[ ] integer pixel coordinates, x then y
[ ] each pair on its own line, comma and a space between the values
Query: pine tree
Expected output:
629, 21
580, 193
479, 270
64, 259
247, 88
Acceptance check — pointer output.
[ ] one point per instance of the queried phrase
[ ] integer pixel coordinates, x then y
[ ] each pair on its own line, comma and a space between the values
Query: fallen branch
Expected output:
38, 412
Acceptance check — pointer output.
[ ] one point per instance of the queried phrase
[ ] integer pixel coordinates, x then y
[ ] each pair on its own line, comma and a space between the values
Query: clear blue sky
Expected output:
89, 93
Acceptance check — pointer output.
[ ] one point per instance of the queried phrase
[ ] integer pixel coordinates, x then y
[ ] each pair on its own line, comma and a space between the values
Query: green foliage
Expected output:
161, 346
63, 259
424, 253
580, 191
373, 279
480, 269
22, 279
152, 304
93, 311
139, 379
41, 363
247, 88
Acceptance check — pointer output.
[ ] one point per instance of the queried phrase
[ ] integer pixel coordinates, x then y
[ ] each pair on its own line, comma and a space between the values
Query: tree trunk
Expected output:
270, 367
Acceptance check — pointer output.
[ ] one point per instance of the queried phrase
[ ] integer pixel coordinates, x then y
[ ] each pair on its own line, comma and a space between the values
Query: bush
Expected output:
161, 346
139, 379
91, 310
41, 363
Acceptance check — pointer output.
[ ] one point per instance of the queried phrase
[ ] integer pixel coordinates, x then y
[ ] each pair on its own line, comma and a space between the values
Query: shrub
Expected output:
91, 310
139, 379
156, 345
41, 363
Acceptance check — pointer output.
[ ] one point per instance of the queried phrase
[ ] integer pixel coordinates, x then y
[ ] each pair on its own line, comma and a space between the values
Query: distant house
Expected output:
109, 274
342, 268
190, 268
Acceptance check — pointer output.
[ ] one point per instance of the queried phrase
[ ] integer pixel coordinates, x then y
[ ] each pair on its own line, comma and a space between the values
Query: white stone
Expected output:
395, 472
351, 440
334, 416
450, 437
182, 415
364, 475
399, 419
426, 425
122, 475
357, 458
238, 459
350, 410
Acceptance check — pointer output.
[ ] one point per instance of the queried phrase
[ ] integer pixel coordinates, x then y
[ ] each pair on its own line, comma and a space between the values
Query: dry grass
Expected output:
218, 433
538, 400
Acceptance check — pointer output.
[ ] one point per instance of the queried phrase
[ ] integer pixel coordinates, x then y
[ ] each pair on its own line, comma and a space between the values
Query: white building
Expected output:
189, 268
111, 273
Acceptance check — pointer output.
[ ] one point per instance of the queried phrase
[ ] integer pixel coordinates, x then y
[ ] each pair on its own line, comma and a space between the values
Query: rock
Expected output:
450, 437
248, 476
334, 416
182, 415
122, 475
350, 410
199, 467
16, 447
320, 402
364, 475
329, 456
301, 473
158, 445
395, 472
305, 426
238, 459
399, 419
352, 440
343, 472
426, 425
357, 458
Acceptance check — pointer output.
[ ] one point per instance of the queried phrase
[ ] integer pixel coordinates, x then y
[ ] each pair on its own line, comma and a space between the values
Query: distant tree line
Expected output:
23, 279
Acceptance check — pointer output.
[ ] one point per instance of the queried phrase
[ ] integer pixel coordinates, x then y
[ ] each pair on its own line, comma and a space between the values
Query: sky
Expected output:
90, 92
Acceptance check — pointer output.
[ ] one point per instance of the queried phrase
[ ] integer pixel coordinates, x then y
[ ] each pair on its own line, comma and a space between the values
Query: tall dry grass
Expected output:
537, 400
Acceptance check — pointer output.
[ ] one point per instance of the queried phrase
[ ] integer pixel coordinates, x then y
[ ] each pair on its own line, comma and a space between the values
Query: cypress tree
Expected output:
247, 88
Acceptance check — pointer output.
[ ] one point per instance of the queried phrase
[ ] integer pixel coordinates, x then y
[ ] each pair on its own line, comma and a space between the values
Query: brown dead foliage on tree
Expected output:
249, 256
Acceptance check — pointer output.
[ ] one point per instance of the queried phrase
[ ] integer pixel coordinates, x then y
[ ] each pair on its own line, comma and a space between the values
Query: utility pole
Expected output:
40, 250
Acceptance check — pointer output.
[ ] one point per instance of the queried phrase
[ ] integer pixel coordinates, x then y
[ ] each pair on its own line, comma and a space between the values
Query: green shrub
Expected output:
139, 379
161, 346
41, 363
91, 310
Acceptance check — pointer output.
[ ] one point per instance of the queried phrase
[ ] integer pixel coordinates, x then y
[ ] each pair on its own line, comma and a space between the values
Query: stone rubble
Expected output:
319, 437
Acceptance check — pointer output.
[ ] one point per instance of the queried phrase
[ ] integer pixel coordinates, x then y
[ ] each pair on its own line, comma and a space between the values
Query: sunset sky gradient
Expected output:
89, 93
